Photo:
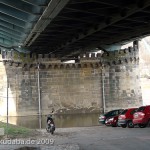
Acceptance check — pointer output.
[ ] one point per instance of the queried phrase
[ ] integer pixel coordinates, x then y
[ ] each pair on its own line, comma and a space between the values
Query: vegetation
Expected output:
15, 131
20, 56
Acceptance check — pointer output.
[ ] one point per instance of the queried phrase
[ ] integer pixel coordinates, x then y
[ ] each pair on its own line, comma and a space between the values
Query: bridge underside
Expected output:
70, 27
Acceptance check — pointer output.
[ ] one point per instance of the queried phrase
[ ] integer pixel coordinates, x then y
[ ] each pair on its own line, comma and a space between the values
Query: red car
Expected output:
112, 121
126, 117
142, 116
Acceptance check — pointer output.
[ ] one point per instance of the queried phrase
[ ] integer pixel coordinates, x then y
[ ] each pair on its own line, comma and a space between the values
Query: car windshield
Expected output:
133, 111
112, 113
140, 109
124, 112
108, 113
121, 110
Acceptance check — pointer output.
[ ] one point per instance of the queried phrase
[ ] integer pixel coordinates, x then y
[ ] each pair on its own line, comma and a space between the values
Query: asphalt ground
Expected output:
91, 138
109, 138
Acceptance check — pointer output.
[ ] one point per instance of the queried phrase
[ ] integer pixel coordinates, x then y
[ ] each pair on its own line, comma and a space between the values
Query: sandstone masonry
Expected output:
111, 78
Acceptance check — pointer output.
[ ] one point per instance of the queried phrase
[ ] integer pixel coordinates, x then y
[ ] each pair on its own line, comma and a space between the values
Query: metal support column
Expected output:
103, 92
7, 104
39, 97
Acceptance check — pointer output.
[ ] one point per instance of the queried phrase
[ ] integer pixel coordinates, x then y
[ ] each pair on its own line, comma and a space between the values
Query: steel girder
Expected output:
17, 18
67, 27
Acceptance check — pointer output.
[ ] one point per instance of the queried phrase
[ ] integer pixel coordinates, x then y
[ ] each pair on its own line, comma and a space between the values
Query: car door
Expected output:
148, 112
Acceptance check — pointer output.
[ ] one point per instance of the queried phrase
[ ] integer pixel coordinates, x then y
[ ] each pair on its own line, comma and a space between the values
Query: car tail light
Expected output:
103, 117
139, 115
122, 117
142, 114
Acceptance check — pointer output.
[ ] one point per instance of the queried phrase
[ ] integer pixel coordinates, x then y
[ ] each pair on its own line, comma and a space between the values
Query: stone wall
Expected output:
82, 87
65, 88
122, 86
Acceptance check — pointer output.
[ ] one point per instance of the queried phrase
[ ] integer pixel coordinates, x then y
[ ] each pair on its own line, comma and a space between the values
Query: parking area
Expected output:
108, 138
91, 138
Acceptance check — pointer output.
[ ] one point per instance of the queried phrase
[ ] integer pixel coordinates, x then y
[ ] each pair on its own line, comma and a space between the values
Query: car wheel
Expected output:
118, 125
130, 124
124, 126
114, 125
142, 125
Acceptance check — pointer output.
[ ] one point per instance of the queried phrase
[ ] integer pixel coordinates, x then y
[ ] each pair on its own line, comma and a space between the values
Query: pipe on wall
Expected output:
103, 92
39, 96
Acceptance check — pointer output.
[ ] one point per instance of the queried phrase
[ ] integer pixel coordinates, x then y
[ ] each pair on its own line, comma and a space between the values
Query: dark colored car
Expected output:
142, 116
112, 121
125, 119
102, 118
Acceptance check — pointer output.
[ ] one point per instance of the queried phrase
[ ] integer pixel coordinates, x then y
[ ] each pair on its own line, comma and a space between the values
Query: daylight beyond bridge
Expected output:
70, 27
